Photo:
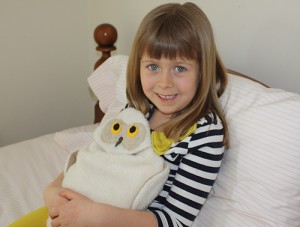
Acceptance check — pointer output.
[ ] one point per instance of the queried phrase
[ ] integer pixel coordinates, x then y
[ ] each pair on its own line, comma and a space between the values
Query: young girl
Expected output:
174, 77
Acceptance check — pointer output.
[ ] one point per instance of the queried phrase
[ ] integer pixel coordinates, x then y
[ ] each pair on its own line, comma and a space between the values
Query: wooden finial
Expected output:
105, 36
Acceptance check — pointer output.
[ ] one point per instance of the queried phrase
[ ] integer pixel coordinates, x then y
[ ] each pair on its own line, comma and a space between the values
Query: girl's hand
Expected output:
54, 201
79, 211
52, 197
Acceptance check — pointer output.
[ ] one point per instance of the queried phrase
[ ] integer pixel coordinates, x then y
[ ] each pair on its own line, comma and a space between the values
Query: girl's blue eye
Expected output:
180, 69
153, 67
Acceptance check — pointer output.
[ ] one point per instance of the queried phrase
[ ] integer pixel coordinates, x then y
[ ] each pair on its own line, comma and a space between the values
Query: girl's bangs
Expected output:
168, 46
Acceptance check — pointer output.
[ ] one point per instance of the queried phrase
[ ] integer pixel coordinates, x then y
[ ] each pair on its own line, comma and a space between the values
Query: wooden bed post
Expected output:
105, 36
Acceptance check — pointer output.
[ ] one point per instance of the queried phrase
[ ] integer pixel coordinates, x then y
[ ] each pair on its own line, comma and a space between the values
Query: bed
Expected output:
259, 181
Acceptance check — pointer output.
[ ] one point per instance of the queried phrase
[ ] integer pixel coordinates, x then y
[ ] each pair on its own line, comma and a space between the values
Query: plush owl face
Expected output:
127, 133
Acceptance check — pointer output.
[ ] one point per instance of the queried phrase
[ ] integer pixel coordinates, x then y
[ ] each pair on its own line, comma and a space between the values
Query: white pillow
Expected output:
107, 83
73, 139
259, 181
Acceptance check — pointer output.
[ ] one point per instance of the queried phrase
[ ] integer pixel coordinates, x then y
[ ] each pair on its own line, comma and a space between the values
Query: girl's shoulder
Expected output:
208, 126
205, 127
210, 119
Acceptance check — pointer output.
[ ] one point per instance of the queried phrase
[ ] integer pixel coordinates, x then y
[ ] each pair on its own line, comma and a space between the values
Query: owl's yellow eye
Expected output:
116, 128
132, 131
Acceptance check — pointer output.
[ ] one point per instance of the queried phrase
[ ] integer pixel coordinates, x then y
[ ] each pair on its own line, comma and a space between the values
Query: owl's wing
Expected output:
71, 160
151, 189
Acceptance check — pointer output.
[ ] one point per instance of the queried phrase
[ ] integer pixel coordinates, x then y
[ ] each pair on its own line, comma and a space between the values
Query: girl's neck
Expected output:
158, 120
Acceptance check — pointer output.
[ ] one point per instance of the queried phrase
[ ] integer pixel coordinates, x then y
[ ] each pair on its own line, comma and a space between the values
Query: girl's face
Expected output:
169, 84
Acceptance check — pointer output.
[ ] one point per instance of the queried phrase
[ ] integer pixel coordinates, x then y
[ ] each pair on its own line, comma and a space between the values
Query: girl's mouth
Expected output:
167, 97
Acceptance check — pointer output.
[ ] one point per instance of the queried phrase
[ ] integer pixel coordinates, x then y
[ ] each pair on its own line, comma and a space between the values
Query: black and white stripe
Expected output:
194, 162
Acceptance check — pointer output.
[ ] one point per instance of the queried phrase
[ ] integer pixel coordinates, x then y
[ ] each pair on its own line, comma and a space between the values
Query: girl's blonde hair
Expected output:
173, 30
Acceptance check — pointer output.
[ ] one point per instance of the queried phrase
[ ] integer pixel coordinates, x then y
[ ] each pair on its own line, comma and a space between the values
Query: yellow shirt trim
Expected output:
161, 143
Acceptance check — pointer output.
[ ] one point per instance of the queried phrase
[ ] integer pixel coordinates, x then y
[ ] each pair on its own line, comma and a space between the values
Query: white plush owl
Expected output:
120, 167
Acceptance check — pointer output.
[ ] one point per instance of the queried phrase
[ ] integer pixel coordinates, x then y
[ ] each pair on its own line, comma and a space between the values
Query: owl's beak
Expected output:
119, 141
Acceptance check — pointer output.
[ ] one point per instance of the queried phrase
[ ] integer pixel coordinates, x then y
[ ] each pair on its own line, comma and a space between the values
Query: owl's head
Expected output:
127, 133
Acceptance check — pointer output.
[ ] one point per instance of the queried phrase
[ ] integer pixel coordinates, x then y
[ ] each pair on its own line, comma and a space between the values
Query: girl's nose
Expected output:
165, 80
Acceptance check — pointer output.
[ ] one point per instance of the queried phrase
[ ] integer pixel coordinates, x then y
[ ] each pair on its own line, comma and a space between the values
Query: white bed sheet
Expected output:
44, 158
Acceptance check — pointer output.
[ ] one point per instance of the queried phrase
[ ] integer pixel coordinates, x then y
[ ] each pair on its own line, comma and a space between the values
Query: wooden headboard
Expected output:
105, 36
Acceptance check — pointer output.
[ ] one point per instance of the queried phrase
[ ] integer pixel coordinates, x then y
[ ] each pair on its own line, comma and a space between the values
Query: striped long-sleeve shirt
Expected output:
194, 163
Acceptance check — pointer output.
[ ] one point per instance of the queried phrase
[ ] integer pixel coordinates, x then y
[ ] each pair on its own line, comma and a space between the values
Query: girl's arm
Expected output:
68, 208
81, 211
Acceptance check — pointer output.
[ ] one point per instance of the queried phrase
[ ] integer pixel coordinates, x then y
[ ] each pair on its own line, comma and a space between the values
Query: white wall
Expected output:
44, 63
258, 37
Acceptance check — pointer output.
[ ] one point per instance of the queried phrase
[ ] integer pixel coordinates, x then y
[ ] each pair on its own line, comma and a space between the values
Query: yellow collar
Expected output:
161, 143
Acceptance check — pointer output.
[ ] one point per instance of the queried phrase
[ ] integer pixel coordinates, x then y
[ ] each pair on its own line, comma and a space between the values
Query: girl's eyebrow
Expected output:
183, 63
148, 60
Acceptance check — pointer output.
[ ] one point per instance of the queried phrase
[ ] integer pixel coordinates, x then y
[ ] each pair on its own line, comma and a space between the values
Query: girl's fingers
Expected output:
53, 213
70, 195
